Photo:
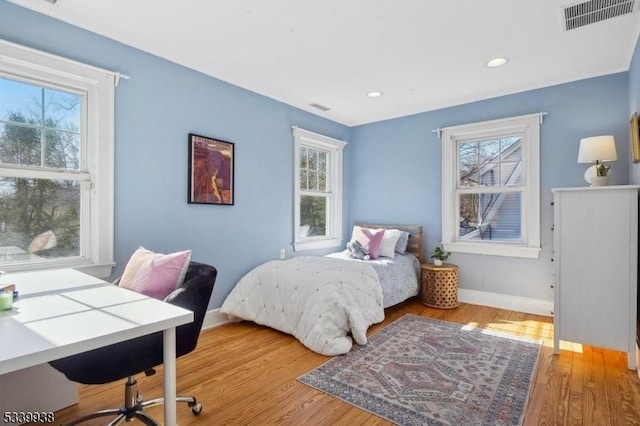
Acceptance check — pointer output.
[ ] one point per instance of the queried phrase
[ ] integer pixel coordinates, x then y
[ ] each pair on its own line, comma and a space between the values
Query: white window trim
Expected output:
97, 240
529, 126
313, 140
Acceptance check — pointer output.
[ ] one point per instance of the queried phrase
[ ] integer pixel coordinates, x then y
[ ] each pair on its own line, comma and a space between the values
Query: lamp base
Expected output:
592, 178
599, 180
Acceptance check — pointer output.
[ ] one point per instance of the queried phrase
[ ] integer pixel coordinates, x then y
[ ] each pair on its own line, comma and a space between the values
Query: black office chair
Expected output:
126, 359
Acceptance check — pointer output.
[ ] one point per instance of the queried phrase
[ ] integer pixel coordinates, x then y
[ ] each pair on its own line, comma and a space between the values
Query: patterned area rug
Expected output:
423, 371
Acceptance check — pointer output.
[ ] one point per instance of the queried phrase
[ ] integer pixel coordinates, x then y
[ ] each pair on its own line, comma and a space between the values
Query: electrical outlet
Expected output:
283, 254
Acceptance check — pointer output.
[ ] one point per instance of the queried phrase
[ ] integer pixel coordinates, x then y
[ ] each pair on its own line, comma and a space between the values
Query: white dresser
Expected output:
596, 264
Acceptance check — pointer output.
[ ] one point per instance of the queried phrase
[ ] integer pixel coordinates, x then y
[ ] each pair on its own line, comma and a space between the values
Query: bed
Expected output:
327, 302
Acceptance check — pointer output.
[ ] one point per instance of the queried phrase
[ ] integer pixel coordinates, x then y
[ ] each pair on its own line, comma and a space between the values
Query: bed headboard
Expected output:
415, 236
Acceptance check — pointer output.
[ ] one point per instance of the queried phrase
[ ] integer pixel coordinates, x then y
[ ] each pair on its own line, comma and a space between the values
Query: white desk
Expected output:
64, 312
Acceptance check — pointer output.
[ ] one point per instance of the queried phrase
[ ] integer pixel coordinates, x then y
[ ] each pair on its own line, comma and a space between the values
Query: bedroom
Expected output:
163, 101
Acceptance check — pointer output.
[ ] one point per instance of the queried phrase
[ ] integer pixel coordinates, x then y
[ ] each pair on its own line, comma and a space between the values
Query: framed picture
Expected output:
210, 171
634, 138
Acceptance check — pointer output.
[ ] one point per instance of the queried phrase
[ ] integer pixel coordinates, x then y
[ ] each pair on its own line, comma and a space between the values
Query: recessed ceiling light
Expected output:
497, 62
374, 94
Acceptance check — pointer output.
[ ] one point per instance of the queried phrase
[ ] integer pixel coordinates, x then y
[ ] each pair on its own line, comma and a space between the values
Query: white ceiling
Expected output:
423, 54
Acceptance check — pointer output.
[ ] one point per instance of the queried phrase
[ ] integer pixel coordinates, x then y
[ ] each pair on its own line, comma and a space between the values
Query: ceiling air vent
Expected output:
590, 12
320, 107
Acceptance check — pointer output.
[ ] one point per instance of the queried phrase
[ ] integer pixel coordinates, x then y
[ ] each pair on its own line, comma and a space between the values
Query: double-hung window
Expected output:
56, 162
317, 190
491, 189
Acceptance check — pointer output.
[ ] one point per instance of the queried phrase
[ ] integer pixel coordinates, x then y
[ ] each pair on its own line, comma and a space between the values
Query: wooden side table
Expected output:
439, 285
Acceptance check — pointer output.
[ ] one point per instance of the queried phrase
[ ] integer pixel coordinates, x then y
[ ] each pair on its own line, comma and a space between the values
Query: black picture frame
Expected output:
211, 171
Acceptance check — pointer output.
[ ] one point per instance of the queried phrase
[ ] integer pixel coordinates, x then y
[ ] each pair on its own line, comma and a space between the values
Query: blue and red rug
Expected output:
423, 371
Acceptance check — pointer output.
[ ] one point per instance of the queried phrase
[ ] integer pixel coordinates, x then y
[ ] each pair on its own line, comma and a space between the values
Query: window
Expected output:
56, 162
317, 190
491, 189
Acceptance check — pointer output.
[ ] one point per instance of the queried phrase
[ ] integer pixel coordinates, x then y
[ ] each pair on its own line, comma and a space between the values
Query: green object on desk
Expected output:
6, 300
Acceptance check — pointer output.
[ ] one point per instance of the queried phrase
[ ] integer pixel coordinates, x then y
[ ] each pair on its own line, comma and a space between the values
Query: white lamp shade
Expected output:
597, 148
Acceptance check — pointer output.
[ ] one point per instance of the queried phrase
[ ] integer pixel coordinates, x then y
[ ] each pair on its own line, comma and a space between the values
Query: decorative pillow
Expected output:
389, 242
370, 239
153, 274
356, 251
401, 245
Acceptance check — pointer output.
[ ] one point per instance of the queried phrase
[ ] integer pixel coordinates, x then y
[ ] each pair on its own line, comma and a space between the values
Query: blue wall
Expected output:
397, 166
155, 110
392, 168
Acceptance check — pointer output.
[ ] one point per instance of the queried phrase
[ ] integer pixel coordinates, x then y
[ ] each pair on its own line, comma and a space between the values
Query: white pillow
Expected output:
389, 241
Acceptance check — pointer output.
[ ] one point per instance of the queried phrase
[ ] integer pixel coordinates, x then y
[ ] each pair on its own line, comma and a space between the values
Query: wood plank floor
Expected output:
245, 374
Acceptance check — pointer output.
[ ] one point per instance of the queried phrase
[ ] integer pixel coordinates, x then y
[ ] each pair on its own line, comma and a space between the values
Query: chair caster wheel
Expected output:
196, 408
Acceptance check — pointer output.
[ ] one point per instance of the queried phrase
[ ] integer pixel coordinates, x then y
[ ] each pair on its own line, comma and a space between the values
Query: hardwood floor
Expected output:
245, 374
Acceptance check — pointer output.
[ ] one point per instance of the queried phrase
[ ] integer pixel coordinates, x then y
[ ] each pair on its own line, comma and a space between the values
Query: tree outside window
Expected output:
313, 186
39, 132
56, 162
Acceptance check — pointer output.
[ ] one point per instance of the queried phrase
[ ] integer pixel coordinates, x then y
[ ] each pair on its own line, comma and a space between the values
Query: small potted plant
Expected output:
439, 255
602, 175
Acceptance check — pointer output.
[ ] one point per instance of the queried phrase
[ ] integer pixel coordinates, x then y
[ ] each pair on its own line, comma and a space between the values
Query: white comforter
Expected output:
316, 299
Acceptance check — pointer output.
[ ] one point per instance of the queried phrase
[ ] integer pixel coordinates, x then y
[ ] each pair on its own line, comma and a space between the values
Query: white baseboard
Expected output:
506, 301
214, 318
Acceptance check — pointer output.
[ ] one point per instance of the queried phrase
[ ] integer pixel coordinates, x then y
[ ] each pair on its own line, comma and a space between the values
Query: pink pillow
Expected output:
370, 239
153, 274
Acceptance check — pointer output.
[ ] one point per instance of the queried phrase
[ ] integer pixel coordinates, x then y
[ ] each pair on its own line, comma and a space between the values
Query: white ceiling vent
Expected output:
320, 107
590, 12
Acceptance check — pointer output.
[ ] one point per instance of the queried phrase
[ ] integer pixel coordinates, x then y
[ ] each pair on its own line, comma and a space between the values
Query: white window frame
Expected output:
529, 127
96, 172
333, 237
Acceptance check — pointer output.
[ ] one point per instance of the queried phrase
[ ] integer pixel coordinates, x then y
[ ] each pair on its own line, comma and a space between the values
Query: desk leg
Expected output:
169, 353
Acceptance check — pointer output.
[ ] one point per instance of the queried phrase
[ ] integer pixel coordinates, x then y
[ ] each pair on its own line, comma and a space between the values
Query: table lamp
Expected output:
597, 149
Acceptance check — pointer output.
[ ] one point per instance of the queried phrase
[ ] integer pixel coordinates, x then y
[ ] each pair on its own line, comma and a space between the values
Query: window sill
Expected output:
493, 249
317, 244
96, 270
